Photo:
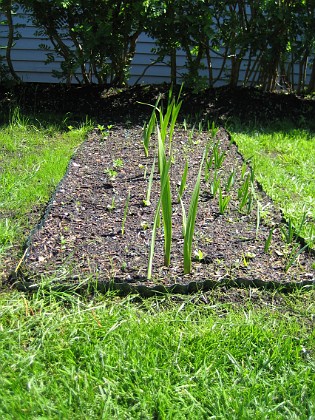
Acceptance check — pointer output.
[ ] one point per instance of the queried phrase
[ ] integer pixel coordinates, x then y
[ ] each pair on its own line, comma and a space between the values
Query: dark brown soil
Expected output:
82, 237
125, 104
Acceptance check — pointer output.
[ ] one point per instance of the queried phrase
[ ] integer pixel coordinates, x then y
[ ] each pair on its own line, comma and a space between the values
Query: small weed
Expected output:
111, 173
118, 163
199, 255
110, 207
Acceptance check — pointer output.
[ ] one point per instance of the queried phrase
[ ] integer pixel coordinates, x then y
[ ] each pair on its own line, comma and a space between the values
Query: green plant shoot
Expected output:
191, 220
147, 202
183, 182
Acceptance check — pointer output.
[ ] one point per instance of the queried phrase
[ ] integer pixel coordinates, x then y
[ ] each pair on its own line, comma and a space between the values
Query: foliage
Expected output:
258, 43
8, 10
94, 39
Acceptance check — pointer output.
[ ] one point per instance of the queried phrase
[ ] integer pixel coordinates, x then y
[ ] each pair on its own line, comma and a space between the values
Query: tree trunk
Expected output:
10, 42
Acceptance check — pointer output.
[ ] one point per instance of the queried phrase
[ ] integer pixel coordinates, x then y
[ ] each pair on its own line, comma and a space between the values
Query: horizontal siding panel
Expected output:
37, 77
35, 66
29, 59
31, 55
149, 80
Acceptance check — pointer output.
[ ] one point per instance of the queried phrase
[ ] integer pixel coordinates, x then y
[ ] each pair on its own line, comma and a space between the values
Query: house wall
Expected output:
29, 59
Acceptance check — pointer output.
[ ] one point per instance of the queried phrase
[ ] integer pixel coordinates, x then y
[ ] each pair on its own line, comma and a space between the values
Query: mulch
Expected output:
83, 239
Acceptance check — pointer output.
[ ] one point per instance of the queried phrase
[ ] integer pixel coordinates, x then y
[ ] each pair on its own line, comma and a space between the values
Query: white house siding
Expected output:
29, 59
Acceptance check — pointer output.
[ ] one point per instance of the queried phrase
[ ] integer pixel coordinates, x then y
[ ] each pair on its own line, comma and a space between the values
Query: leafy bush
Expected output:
258, 43
96, 40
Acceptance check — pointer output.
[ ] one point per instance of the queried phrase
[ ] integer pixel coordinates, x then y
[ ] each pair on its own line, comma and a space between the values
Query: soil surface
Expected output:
89, 232
99, 223
121, 105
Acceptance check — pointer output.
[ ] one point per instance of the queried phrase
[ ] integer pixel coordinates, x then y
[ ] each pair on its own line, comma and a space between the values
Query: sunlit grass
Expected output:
101, 357
64, 356
284, 162
33, 160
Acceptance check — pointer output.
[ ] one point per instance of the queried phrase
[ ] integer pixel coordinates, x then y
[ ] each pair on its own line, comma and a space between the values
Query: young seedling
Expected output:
147, 202
244, 195
223, 201
258, 213
166, 198
148, 129
213, 129
296, 251
231, 181
191, 220
156, 223
288, 232
208, 163
218, 157
215, 184
183, 182
268, 241
112, 205
244, 170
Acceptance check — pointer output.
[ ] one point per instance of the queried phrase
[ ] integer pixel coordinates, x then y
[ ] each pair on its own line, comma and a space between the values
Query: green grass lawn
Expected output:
284, 162
198, 357
33, 159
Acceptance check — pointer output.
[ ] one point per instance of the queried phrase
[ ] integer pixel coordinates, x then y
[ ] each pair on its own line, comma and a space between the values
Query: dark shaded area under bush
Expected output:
120, 105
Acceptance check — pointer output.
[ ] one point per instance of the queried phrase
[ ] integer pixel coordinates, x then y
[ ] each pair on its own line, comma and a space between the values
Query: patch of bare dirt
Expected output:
81, 236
